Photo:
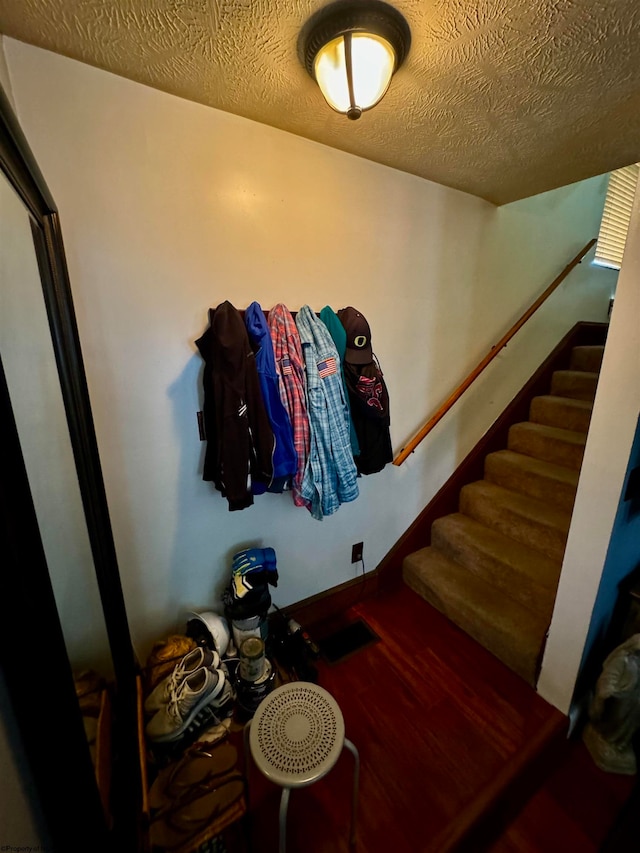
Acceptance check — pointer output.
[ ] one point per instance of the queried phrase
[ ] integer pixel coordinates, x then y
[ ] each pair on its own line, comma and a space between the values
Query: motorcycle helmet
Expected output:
210, 629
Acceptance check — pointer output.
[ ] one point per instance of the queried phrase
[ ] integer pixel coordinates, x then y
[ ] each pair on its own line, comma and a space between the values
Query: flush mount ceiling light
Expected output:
352, 49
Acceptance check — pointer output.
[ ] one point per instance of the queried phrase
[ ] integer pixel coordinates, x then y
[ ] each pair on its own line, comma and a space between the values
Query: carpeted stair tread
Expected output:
563, 412
533, 477
552, 444
493, 567
508, 630
521, 573
577, 384
588, 358
531, 522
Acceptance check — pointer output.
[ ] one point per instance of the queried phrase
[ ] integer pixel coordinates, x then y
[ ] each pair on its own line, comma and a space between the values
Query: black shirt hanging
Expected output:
369, 401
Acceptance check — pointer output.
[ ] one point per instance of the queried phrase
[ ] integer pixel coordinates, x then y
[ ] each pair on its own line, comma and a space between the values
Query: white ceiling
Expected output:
501, 98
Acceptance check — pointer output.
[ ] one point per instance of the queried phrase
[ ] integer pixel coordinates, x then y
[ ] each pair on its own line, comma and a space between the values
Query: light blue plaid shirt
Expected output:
330, 477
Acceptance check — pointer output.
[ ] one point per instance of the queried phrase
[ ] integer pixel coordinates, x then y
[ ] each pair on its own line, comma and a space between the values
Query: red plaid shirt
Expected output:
291, 379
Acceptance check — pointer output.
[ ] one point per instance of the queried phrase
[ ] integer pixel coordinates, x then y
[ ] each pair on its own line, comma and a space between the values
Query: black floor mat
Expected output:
346, 641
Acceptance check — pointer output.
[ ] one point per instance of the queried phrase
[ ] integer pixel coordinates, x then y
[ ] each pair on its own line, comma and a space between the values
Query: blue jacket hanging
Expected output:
285, 458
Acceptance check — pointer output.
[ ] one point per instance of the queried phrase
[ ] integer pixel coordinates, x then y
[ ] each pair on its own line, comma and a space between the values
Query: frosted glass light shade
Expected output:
373, 62
352, 49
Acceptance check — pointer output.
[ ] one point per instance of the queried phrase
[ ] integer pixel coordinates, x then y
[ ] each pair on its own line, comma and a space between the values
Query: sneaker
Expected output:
212, 714
198, 690
190, 663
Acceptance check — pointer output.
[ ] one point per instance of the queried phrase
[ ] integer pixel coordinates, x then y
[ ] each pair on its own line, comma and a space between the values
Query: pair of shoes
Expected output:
187, 665
191, 704
198, 819
198, 770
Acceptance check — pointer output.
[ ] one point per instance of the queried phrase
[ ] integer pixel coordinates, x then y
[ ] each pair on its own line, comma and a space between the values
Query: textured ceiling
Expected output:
501, 98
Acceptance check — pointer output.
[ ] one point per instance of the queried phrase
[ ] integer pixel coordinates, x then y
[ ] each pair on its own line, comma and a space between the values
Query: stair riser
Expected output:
532, 484
501, 575
549, 449
556, 413
576, 386
528, 531
485, 633
588, 359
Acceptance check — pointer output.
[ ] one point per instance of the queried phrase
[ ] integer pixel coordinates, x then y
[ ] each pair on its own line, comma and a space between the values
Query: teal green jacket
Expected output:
339, 336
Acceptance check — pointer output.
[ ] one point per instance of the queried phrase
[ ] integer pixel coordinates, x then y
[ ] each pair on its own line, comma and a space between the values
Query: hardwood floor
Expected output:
451, 744
574, 810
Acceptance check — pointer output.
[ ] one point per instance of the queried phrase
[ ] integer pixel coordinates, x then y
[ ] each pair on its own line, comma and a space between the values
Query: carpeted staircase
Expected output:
493, 566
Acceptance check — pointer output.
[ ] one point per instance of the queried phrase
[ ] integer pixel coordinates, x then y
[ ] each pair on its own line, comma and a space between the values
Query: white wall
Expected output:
609, 443
168, 208
528, 243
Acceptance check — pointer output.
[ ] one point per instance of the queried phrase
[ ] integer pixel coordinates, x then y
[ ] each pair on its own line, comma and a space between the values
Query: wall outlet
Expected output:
356, 552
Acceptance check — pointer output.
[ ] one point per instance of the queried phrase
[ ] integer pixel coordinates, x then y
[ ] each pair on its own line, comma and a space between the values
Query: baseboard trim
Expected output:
325, 605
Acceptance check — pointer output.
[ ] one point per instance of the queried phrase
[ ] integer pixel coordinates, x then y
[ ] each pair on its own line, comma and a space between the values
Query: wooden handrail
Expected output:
493, 352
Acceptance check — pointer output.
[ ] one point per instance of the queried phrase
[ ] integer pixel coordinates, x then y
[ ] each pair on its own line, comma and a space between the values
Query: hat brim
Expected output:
359, 356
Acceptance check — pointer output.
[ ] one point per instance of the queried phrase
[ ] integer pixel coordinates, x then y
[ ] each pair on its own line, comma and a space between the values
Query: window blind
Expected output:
616, 216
